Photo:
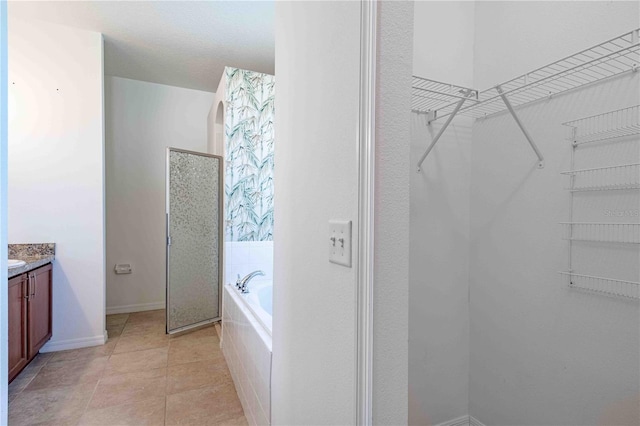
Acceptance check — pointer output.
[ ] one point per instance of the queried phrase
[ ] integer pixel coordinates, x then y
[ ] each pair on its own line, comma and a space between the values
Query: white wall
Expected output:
513, 38
443, 41
313, 378
541, 353
3, 211
142, 120
56, 168
439, 242
391, 239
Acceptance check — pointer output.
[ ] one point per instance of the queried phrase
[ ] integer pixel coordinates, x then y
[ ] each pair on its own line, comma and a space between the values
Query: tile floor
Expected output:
141, 376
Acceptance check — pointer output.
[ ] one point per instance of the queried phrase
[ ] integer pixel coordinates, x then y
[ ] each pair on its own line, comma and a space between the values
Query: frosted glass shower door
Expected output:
194, 224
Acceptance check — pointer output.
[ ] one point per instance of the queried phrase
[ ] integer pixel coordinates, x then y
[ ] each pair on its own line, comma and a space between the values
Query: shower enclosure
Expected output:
194, 236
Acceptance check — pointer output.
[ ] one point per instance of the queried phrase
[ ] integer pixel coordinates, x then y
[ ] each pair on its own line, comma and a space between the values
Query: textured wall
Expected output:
56, 168
317, 64
439, 245
249, 155
142, 120
391, 270
542, 354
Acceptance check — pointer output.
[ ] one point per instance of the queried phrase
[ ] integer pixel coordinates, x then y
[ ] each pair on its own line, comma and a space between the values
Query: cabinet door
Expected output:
18, 356
39, 309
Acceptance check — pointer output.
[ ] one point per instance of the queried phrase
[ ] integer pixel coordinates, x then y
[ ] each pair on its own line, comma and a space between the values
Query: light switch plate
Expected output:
340, 242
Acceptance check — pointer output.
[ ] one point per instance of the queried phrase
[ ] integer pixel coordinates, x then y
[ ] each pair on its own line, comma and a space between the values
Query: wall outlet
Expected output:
340, 242
123, 268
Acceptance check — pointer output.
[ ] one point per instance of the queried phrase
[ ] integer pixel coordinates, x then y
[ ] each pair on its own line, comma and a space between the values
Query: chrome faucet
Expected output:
242, 283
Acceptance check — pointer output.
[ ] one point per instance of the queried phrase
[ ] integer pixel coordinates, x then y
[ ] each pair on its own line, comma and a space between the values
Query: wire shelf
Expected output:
610, 125
628, 233
430, 95
623, 176
603, 61
607, 286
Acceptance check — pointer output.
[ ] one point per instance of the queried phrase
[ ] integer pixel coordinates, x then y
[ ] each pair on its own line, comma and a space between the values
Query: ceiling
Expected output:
178, 43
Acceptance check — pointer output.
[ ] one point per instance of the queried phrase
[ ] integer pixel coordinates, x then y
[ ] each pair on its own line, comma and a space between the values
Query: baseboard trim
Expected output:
474, 422
140, 307
63, 345
461, 421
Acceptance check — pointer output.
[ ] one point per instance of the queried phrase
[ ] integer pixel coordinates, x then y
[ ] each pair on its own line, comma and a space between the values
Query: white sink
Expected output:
15, 263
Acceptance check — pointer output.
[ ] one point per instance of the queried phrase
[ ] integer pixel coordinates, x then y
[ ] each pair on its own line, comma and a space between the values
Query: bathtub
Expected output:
246, 345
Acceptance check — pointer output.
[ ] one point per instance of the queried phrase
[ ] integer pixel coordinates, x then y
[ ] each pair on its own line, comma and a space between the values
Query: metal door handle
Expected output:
33, 282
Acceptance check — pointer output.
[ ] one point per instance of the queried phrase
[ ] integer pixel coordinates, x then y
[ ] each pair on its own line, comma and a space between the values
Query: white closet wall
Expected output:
542, 354
439, 221
494, 331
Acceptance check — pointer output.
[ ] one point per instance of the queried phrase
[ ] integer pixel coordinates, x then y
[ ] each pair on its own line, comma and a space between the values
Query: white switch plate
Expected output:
340, 242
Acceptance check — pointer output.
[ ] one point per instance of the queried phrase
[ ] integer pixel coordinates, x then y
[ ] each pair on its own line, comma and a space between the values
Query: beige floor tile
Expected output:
68, 373
147, 316
238, 421
128, 388
32, 369
19, 383
209, 331
86, 353
195, 375
115, 330
57, 405
117, 319
185, 351
148, 327
141, 342
147, 412
208, 406
130, 362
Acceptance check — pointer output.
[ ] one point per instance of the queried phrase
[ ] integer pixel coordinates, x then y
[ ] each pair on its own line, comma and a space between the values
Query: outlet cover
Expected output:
340, 242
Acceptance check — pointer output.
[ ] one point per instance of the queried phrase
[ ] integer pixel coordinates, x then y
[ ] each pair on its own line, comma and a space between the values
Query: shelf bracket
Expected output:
524, 130
467, 95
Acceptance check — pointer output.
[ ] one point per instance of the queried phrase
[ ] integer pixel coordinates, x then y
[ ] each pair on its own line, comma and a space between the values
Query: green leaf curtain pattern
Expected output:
249, 155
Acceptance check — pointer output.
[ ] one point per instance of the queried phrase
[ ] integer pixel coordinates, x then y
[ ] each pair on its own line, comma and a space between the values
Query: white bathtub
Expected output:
246, 344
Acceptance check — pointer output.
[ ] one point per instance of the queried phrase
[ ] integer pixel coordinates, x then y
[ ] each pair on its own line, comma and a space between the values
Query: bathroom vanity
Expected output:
30, 291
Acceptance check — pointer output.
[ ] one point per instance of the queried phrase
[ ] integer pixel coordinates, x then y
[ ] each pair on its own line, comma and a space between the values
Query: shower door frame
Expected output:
220, 237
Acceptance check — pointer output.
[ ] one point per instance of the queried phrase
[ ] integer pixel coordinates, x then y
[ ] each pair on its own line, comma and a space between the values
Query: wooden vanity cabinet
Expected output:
29, 316
39, 309
18, 356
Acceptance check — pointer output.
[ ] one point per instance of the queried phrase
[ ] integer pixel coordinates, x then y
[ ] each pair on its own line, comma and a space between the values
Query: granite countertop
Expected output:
35, 255
33, 262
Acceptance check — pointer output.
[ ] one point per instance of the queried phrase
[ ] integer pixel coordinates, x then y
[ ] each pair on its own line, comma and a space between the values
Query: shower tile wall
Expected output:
243, 257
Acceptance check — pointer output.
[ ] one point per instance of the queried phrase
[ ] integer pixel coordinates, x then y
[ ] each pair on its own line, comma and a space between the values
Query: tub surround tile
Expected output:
249, 358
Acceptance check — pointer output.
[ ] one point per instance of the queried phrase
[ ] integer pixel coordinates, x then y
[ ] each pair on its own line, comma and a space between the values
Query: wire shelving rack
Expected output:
626, 233
612, 58
601, 285
602, 127
619, 177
